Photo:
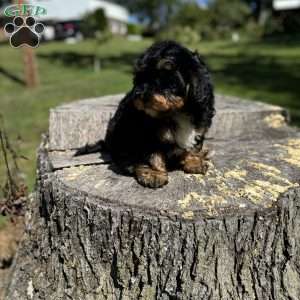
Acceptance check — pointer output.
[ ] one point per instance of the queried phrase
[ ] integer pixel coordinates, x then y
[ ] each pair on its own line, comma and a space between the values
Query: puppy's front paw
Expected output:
195, 162
151, 178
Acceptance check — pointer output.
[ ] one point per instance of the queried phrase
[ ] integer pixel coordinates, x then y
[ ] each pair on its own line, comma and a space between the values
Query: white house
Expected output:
286, 4
71, 10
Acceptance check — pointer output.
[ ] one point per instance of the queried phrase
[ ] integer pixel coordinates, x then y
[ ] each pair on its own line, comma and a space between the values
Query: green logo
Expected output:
25, 10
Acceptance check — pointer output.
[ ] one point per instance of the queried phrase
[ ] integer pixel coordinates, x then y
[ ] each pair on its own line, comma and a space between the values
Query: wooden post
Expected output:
232, 234
31, 76
30, 67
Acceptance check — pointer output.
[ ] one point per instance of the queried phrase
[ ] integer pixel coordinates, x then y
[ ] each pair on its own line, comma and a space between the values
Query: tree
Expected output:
155, 13
95, 25
220, 18
232, 234
188, 25
227, 15
290, 21
271, 21
191, 14
4, 2
261, 9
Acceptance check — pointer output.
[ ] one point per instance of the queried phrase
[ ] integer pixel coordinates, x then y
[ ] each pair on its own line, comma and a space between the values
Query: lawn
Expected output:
261, 71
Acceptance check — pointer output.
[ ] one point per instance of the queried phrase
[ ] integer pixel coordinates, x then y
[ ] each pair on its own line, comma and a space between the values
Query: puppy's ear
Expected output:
139, 65
200, 95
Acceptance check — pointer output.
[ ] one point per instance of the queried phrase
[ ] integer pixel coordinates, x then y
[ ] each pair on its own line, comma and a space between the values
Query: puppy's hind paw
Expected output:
151, 178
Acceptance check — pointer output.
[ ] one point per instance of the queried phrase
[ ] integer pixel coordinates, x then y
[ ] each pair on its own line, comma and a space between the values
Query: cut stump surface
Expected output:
231, 234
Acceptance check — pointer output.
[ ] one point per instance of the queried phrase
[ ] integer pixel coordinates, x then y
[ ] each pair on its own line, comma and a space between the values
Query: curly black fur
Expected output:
170, 83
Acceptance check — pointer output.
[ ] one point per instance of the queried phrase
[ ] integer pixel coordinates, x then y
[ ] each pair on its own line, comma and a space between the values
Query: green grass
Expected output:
261, 71
3, 222
267, 72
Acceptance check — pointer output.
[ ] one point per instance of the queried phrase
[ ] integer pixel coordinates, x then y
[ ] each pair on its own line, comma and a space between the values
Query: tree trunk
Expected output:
232, 234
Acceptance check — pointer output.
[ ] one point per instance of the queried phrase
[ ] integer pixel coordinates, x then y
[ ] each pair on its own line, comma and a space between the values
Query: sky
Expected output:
133, 19
202, 2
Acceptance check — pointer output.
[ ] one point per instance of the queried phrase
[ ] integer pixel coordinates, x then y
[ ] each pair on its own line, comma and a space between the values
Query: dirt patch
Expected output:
10, 236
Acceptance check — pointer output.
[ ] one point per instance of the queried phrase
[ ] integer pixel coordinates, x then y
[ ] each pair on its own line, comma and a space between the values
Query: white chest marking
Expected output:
185, 133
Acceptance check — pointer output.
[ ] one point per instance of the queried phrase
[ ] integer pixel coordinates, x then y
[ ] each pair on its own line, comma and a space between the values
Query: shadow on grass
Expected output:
80, 60
261, 74
11, 76
291, 40
3, 43
249, 72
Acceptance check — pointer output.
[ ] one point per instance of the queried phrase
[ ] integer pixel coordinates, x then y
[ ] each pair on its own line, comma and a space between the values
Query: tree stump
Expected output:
232, 234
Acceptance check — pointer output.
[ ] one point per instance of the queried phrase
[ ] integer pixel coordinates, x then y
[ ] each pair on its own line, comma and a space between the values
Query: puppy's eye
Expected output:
165, 64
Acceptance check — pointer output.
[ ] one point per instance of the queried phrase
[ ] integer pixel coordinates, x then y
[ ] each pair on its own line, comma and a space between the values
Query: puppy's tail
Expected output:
93, 148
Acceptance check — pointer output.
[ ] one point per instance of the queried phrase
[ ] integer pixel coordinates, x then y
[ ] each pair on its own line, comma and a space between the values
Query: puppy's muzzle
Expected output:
159, 104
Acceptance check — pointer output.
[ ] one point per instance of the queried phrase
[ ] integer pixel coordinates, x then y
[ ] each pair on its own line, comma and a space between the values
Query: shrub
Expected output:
94, 23
184, 35
135, 29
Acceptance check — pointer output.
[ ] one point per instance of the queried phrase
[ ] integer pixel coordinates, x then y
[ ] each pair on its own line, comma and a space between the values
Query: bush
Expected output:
191, 20
94, 23
253, 30
192, 23
184, 35
135, 29
290, 21
227, 18
191, 15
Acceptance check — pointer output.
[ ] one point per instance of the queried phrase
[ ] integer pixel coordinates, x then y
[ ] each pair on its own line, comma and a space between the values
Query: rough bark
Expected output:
233, 234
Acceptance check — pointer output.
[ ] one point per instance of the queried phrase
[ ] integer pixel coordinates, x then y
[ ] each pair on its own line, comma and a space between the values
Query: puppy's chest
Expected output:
181, 132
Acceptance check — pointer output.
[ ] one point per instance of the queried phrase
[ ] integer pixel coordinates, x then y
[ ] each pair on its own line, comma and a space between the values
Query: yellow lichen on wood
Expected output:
208, 201
258, 189
275, 120
213, 201
199, 177
264, 167
251, 192
74, 172
236, 174
261, 183
270, 171
185, 202
293, 152
188, 215
274, 189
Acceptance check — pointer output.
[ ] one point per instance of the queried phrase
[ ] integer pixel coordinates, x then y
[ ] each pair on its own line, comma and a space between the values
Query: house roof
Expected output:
286, 4
74, 9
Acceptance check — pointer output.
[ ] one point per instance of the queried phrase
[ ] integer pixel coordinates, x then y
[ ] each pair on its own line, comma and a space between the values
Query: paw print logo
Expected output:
24, 32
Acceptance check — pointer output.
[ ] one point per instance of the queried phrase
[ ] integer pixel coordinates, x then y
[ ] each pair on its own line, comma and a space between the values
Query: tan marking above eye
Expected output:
138, 103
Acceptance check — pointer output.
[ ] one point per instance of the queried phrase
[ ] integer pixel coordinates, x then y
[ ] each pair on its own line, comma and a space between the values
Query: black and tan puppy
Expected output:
162, 121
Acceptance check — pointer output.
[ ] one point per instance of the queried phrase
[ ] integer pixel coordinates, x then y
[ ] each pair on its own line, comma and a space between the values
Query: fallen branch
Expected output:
14, 189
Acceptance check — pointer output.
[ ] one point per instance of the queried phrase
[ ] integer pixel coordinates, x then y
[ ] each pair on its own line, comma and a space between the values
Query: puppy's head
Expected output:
162, 79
